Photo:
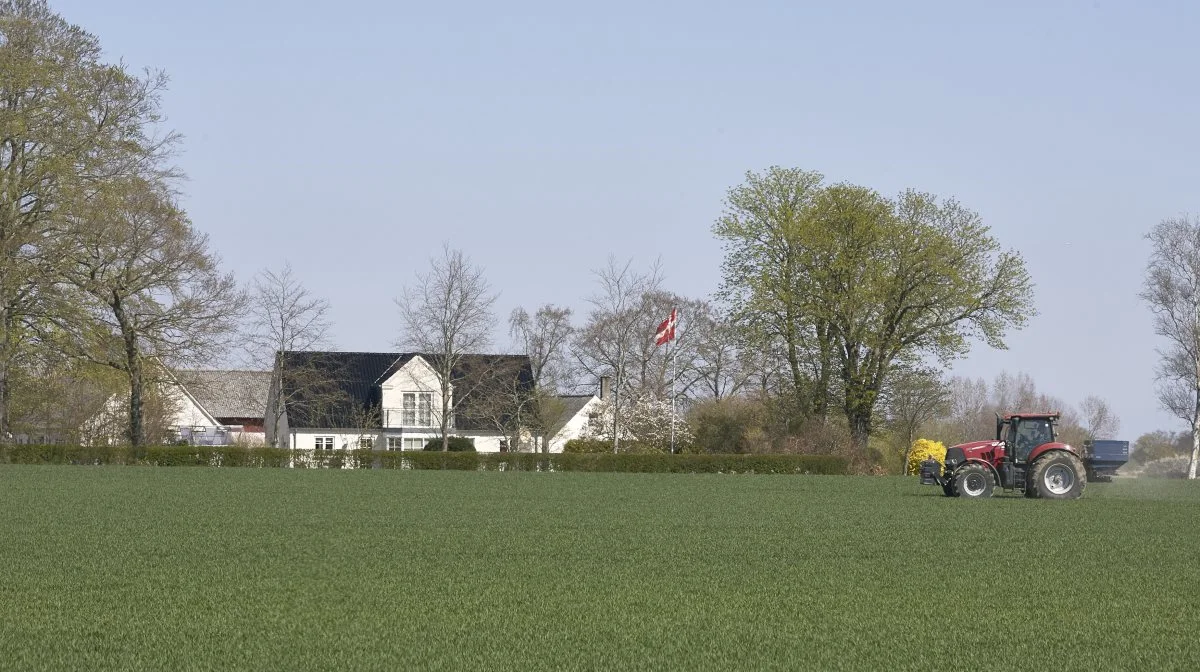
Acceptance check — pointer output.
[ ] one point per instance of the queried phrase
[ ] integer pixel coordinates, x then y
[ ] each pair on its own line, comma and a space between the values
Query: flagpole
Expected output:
674, 350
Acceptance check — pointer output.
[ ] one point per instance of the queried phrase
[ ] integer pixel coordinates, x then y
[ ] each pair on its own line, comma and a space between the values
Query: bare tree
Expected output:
1172, 290
501, 397
722, 367
543, 336
285, 317
153, 288
915, 396
617, 328
1099, 419
447, 313
970, 415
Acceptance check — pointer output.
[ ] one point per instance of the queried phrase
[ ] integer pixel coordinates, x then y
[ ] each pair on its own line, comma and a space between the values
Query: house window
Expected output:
394, 443
414, 444
366, 442
324, 442
417, 410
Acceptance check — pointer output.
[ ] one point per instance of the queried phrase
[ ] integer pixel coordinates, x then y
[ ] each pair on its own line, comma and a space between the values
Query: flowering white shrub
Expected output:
644, 420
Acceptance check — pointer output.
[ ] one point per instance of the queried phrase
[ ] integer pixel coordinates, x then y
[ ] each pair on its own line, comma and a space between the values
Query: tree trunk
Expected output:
445, 423
1195, 429
1195, 452
6, 324
276, 416
820, 402
860, 427
136, 429
793, 359
859, 408
133, 366
907, 451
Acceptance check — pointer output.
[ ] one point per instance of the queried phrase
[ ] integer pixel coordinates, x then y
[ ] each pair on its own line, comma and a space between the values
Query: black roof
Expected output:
342, 389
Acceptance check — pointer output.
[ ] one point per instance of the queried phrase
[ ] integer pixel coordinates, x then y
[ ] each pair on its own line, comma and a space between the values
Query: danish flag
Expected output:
666, 330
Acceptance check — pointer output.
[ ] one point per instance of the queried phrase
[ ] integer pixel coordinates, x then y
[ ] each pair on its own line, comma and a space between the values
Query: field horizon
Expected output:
143, 567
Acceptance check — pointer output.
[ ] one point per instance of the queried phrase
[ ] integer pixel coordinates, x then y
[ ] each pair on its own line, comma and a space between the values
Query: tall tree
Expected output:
543, 337
616, 329
765, 277
447, 313
286, 317
1172, 290
870, 280
67, 121
153, 288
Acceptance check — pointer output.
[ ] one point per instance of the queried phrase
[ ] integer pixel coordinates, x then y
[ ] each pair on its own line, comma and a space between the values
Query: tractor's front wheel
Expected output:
973, 481
1058, 475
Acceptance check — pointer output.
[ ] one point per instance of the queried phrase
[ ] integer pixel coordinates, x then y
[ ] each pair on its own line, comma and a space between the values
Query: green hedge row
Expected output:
165, 456
238, 456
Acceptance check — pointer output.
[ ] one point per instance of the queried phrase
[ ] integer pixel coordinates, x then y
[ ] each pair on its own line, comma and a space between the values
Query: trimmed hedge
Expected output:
165, 456
239, 456
458, 444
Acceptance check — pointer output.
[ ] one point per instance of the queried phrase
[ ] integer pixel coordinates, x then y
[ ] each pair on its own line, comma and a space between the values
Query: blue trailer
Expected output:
1103, 457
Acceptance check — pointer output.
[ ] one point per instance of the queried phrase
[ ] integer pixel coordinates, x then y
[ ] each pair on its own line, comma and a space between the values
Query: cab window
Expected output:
1031, 434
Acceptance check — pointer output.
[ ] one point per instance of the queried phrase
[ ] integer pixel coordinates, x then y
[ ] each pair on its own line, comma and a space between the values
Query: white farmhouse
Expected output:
392, 401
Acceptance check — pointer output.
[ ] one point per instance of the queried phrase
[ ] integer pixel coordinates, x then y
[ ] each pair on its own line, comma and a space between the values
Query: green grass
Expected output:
177, 568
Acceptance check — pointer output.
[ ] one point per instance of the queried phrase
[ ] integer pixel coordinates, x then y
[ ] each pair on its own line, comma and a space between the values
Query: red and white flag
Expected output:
666, 330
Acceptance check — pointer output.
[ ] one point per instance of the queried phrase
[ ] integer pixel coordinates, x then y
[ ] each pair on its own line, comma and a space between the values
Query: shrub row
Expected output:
239, 456
165, 456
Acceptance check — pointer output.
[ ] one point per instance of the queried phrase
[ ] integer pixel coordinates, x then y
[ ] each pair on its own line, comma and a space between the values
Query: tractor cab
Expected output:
1022, 433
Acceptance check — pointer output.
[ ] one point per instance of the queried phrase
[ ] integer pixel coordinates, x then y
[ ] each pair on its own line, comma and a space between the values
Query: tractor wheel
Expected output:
973, 481
1058, 475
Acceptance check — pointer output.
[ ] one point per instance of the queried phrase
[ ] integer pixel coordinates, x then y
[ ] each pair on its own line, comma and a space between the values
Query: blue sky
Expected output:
353, 138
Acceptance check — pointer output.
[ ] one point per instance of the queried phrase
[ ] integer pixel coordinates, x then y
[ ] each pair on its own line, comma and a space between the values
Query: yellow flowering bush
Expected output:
923, 449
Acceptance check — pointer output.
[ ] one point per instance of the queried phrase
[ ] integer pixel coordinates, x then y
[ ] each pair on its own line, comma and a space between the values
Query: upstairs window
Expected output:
417, 410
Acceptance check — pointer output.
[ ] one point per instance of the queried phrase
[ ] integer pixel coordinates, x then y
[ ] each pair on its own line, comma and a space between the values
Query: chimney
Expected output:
605, 387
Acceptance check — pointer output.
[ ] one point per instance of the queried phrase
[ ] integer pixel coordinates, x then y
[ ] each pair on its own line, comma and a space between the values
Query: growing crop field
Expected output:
198, 568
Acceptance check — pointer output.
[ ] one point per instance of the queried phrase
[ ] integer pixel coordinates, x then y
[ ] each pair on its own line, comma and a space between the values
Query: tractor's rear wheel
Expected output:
973, 481
1058, 475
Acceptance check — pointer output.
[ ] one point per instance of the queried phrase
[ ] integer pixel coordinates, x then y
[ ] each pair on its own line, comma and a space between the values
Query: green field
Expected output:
197, 568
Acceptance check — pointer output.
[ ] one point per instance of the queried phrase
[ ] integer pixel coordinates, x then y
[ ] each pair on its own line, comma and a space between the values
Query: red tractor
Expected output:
1025, 457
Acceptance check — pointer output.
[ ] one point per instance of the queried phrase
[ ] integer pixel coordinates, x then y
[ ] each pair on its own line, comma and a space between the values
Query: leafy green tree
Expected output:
765, 277
859, 281
68, 121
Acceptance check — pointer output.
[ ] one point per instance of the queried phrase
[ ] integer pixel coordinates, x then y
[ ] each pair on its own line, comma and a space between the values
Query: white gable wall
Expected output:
574, 428
187, 412
415, 377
